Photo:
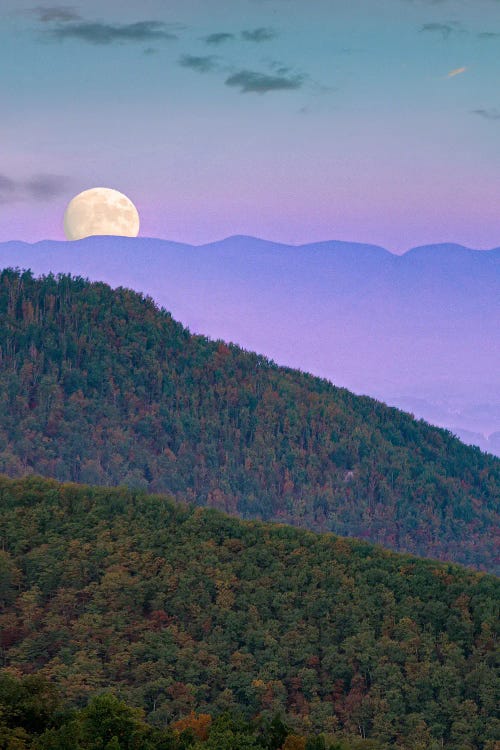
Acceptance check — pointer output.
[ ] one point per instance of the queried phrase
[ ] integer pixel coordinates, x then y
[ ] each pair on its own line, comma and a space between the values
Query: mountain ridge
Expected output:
243, 238
423, 324
101, 386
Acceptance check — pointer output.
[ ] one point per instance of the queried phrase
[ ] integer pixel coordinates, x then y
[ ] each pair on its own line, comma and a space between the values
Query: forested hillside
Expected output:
416, 329
179, 609
99, 386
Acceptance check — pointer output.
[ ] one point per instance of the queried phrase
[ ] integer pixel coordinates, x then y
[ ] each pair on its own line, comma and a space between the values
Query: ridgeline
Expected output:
99, 386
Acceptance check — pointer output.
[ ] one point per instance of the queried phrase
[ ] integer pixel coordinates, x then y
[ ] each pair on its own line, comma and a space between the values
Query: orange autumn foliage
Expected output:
294, 742
198, 723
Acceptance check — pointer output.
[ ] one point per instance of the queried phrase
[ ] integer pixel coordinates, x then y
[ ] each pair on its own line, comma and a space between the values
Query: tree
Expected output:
107, 720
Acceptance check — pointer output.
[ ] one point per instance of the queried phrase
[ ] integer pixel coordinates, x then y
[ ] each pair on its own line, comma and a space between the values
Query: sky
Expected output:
361, 120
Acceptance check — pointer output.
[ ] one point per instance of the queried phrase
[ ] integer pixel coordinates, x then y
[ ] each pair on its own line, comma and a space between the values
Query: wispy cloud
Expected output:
445, 29
55, 13
249, 81
201, 64
456, 72
489, 35
39, 187
7, 189
428, 2
487, 114
95, 32
261, 34
43, 187
219, 37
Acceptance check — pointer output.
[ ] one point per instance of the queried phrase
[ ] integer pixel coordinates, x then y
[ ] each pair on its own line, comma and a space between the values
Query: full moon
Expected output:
100, 211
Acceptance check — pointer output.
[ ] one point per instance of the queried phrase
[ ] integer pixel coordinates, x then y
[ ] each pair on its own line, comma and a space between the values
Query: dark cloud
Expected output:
95, 32
201, 64
55, 13
489, 35
487, 114
40, 187
249, 81
43, 187
218, 38
445, 29
262, 34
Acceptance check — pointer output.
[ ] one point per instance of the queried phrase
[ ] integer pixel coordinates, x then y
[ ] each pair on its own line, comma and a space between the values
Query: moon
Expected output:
100, 211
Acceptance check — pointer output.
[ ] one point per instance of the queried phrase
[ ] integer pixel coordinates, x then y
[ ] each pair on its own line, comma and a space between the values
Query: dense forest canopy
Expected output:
100, 386
179, 609
33, 716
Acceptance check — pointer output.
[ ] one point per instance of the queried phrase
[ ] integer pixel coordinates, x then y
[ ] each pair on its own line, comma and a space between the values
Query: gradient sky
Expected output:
364, 120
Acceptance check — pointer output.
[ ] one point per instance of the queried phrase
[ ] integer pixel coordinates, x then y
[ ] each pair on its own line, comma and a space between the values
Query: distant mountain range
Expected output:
419, 331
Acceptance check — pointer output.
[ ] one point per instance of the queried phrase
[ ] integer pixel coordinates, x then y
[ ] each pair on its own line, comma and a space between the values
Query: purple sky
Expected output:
288, 120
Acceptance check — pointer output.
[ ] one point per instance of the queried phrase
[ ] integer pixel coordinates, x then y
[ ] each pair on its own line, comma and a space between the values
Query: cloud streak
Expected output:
201, 64
55, 13
445, 29
429, 2
456, 72
7, 189
219, 37
261, 34
487, 114
489, 35
44, 187
249, 81
95, 32
39, 187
